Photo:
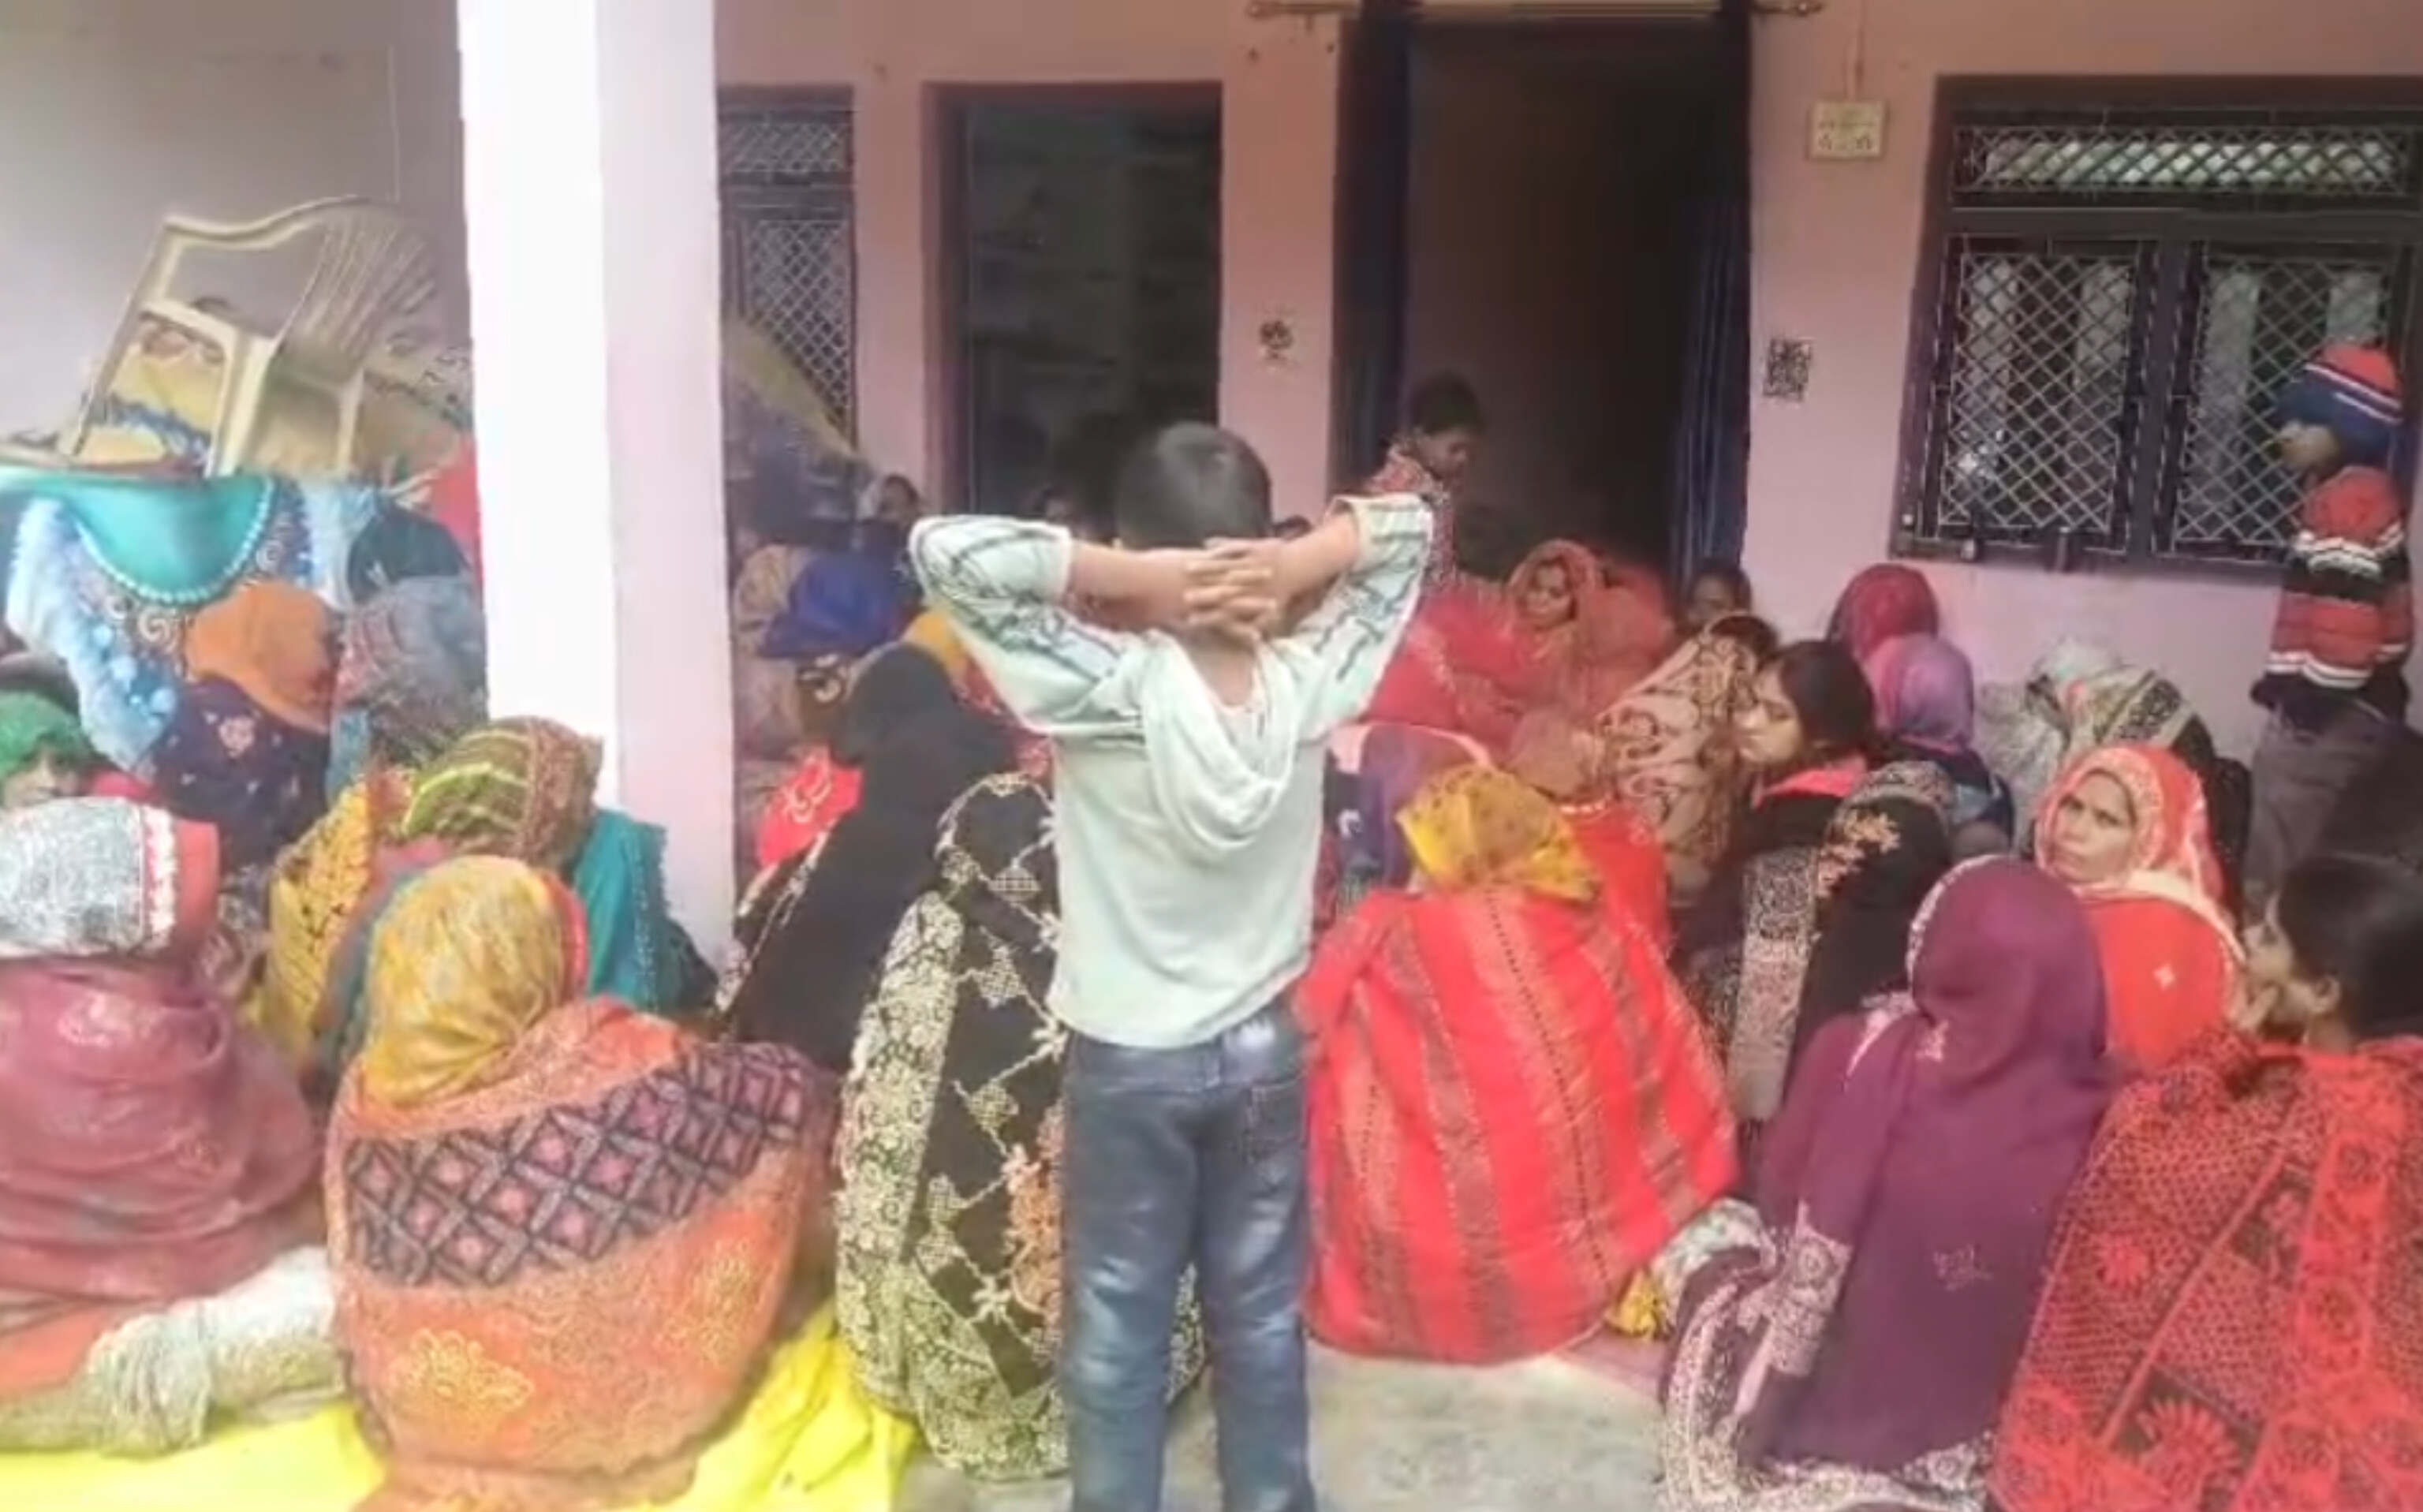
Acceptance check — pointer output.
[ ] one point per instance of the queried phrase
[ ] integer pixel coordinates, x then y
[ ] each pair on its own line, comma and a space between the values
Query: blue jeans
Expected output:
1179, 1157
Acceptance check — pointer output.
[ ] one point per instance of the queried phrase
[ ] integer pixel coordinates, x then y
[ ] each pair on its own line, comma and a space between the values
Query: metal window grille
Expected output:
788, 236
2118, 297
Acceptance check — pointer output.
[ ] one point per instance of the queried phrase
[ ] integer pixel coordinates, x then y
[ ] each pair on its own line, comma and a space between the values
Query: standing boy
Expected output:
2335, 678
1188, 761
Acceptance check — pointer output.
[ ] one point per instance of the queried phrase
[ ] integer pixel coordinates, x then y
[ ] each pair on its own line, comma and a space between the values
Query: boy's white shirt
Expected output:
1188, 832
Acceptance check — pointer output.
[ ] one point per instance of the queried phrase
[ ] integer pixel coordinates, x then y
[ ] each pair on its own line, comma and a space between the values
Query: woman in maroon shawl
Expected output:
1880, 603
1855, 1351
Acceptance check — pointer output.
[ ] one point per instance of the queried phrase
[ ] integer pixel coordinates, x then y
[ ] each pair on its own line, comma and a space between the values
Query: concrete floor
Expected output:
1547, 1436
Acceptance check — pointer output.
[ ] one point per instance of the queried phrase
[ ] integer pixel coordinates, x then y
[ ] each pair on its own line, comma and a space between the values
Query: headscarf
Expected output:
521, 787
463, 960
400, 546
931, 634
1483, 827
2170, 958
813, 949
1621, 628
1910, 1189
845, 603
1880, 603
103, 876
1395, 762
1668, 750
413, 678
223, 761
637, 953
270, 640
32, 727
2171, 857
1925, 692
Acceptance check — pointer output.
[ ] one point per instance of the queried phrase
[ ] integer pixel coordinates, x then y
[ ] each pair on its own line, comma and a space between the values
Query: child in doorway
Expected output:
1189, 760
2335, 680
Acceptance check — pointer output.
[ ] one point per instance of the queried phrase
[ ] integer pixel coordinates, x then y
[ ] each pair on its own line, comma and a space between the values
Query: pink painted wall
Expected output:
1279, 81
1836, 248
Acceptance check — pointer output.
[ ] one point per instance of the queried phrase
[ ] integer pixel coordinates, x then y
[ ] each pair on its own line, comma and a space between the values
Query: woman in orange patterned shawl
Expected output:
2125, 827
2229, 1317
1513, 1107
1666, 752
563, 1234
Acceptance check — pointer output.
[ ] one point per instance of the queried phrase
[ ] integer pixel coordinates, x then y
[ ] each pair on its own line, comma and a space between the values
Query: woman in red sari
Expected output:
2230, 1320
1595, 632
1513, 1107
2125, 827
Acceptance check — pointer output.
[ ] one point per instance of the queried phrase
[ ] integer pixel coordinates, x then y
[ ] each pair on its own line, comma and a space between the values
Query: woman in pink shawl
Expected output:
1853, 1350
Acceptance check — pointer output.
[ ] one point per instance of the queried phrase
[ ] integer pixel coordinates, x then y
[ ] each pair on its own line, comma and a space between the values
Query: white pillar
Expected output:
588, 185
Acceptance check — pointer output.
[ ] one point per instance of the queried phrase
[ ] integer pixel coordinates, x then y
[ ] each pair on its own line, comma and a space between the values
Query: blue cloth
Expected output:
844, 603
620, 879
104, 572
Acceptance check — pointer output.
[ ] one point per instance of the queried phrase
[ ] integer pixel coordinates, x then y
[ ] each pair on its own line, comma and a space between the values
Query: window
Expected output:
2114, 294
788, 265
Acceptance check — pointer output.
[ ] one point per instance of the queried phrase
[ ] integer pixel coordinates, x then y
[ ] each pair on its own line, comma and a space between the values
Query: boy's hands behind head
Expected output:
1233, 589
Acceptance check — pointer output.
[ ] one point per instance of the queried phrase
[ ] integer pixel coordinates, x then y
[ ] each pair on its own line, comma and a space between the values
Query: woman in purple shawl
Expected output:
1853, 1351
1926, 705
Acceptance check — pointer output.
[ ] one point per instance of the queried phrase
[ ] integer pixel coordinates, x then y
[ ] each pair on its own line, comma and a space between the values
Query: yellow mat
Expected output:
809, 1442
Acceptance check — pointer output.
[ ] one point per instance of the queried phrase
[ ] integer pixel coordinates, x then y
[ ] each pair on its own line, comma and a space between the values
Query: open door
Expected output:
1375, 161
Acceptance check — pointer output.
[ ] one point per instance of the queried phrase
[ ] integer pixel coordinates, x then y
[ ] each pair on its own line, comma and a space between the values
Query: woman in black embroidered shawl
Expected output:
813, 933
949, 1217
1743, 951
1888, 845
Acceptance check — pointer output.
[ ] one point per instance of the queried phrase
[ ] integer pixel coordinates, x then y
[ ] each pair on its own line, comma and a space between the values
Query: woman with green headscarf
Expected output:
44, 752
527, 789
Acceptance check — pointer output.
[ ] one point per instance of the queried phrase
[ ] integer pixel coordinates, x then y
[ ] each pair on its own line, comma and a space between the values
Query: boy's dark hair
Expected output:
1188, 484
1444, 402
1748, 629
1736, 582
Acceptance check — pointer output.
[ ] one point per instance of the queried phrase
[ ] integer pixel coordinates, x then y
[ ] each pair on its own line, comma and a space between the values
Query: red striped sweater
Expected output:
2347, 615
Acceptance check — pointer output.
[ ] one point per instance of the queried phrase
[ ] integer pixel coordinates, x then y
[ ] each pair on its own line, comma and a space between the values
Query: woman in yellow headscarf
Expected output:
1513, 1106
584, 1352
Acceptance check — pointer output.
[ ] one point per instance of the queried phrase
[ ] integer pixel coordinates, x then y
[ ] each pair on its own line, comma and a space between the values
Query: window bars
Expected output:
2117, 297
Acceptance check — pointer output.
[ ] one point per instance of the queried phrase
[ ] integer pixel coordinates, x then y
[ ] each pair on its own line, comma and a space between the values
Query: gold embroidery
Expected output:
459, 1374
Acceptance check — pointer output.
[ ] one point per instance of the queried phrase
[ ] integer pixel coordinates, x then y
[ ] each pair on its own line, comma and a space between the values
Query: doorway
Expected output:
1549, 233
1082, 281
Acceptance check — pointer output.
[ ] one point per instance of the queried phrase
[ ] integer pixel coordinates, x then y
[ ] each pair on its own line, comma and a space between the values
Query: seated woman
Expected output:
949, 1217
2125, 828
1880, 603
2228, 1321
412, 678
526, 789
1512, 1106
1591, 638
1889, 844
247, 749
1926, 708
1667, 752
2079, 698
1744, 948
1718, 590
814, 931
158, 1169
646, 1202
1851, 1352
45, 753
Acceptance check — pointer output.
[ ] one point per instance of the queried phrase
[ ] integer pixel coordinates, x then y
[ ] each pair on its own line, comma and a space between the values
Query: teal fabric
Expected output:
173, 541
620, 879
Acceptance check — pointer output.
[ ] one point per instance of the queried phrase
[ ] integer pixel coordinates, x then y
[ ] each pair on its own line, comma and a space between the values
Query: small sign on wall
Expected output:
1846, 131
